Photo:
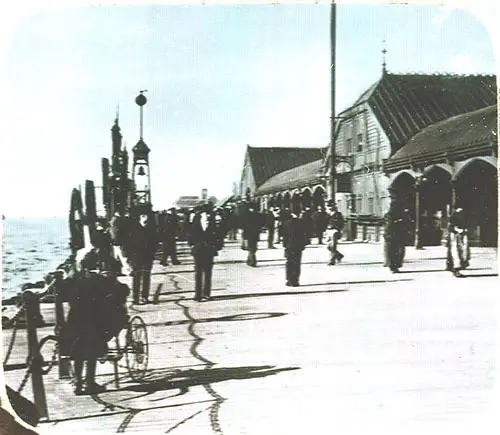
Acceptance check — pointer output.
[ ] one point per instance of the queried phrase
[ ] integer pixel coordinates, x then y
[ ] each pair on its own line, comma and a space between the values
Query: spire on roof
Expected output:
384, 52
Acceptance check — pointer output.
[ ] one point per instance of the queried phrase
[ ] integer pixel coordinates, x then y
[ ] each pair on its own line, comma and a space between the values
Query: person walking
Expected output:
270, 225
169, 233
144, 244
395, 232
335, 225
457, 246
253, 223
294, 242
204, 247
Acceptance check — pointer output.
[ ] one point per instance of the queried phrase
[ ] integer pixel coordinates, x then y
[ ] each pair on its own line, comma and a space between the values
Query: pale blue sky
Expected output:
219, 77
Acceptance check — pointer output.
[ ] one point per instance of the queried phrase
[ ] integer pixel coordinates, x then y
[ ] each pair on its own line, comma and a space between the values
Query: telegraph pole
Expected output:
333, 156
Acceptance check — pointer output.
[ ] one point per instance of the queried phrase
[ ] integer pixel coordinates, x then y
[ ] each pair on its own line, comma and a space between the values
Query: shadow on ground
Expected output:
165, 379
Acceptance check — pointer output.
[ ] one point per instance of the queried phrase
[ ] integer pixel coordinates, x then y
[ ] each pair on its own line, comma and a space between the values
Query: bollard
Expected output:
32, 304
64, 363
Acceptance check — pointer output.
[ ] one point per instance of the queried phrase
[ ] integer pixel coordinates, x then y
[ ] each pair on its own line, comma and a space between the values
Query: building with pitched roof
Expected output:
382, 122
261, 164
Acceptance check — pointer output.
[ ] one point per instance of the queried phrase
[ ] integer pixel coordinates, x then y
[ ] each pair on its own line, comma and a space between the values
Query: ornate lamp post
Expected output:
140, 169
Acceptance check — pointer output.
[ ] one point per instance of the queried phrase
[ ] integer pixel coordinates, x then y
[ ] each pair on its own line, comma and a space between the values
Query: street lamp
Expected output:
419, 180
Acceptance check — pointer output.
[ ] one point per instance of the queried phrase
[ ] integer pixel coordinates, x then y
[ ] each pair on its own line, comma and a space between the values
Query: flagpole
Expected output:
333, 156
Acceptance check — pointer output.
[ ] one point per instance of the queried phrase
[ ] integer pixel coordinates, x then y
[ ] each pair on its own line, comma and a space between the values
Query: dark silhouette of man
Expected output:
253, 223
205, 245
335, 223
170, 232
143, 249
294, 242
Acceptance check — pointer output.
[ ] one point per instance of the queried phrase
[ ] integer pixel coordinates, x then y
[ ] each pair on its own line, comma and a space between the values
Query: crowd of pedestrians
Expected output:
129, 244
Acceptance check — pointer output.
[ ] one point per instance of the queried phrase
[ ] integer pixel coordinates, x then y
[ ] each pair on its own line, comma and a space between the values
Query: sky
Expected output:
219, 77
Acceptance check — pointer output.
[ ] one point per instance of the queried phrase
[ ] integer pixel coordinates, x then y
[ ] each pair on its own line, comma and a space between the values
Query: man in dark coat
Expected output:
169, 232
306, 217
270, 225
97, 313
320, 222
205, 245
253, 223
283, 217
143, 249
395, 232
294, 242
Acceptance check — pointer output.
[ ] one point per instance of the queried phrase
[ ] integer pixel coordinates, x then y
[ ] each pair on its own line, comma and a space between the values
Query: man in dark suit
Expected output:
253, 223
205, 244
320, 222
144, 243
170, 232
294, 242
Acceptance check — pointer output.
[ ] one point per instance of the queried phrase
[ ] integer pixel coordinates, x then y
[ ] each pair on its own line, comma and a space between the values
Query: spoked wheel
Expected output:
137, 348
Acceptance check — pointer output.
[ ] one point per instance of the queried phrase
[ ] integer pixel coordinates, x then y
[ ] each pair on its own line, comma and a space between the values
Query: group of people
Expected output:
129, 245
293, 230
397, 223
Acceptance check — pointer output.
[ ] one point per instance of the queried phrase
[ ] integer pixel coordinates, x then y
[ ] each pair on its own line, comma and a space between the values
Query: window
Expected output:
370, 206
360, 142
359, 204
349, 146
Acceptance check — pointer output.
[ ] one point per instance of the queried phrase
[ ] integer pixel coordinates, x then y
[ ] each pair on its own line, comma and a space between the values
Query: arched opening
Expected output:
318, 198
306, 198
477, 194
435, 196
402, 191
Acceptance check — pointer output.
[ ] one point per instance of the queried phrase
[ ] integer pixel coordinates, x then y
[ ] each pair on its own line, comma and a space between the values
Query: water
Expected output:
31, 249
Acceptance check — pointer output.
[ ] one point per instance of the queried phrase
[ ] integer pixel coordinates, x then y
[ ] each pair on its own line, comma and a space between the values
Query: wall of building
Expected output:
247, 178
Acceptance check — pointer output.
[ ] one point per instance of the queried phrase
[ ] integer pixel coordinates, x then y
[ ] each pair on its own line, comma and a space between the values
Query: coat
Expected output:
206, 242
294, 235
97, 313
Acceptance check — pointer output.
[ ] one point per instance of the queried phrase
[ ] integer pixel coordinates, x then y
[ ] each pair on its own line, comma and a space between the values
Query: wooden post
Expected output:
64, 363
32, 305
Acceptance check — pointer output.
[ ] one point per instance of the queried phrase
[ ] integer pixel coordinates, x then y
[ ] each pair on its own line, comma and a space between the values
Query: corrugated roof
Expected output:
267, 162
404, 104
300, 176
463, 131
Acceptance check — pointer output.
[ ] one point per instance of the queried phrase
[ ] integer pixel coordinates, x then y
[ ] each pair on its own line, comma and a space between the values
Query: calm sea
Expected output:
31, 249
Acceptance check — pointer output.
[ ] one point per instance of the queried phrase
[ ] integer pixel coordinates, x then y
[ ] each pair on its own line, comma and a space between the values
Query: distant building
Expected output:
261, 164
187, 202
382, 121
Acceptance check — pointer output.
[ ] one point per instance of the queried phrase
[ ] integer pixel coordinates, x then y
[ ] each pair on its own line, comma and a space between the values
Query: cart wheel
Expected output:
136, 348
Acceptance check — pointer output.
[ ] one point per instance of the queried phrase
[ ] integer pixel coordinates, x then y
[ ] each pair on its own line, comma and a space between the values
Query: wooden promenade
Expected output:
260, 357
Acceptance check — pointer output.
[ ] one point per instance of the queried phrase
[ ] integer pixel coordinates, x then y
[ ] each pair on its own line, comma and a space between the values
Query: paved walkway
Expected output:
354, 349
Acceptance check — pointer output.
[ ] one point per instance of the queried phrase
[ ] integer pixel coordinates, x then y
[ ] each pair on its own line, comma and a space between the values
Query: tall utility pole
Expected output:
333, 157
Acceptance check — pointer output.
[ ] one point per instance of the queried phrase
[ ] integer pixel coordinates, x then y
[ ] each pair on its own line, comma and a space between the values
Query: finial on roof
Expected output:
384, 52
117, 113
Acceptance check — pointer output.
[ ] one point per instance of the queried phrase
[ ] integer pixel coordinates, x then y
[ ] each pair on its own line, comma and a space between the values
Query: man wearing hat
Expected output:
204, 246
144, 243
335, 227
294, 242
170, 232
